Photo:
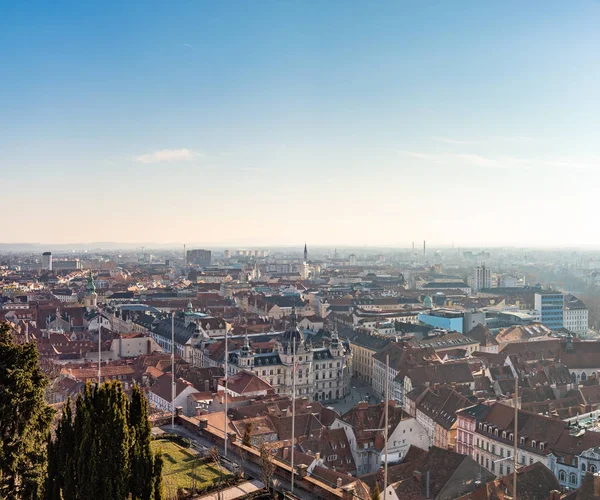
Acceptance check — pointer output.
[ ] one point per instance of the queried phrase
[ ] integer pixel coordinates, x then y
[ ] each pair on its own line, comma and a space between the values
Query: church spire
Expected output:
305, 252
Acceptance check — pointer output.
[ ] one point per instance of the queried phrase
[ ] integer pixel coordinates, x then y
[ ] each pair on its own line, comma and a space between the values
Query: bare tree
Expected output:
267, 467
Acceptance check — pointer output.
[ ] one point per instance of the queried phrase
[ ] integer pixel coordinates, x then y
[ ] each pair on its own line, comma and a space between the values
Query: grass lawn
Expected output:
180, 469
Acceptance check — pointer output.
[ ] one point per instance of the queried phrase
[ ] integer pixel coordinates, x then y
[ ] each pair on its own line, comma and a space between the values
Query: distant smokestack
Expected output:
424, 248
413, 247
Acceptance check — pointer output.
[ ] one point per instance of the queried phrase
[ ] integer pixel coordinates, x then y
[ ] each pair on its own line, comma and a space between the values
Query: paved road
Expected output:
251, 469
237, 491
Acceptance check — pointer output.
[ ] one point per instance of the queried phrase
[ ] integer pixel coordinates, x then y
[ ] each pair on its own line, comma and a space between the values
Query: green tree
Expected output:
25, 420
157, 474
142, 459
104, 451
376, 494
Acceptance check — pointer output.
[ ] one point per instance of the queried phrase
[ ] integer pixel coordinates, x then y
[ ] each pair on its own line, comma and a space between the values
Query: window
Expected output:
530, 460
593, 469
562, 476
522, 440
533, 444
493, 466
480, 425
541, 446
583, 467
511, 437
493, 449
501, 469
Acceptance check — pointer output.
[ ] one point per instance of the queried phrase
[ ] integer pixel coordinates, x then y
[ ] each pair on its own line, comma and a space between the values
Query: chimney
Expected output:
418, 476
348, 492
302, 470
317, 456
554, 495
339, 482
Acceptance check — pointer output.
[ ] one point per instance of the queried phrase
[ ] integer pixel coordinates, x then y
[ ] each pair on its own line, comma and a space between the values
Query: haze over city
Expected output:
273, 123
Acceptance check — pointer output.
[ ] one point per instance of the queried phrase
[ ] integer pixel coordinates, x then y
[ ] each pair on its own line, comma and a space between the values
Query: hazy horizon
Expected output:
274, 123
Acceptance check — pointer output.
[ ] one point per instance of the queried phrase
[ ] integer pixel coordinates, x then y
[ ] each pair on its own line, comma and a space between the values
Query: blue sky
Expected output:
276, 122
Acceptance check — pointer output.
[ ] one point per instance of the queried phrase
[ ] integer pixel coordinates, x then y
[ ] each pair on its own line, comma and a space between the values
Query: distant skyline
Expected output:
272, 123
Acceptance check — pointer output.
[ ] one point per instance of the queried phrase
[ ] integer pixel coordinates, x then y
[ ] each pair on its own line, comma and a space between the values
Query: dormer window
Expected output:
522, 440
503, 434
533, 444
485, 428
496, 432
480, 425
511, 436
541, 446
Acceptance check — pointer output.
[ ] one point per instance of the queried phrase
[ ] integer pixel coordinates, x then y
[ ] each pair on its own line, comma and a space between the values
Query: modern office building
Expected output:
446, 319
550, 306
47, 261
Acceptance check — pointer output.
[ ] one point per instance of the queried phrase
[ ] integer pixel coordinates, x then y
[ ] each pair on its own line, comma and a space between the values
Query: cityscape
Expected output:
298, 350
300, 250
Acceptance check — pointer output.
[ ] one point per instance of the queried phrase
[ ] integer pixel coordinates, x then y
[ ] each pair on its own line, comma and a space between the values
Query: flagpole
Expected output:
99, 348
172, 370
387, 406
226, 395
293, 405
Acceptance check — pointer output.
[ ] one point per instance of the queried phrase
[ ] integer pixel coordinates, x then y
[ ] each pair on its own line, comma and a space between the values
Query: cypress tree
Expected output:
141, 453
65, 449
157, 477
114, 441
25, 420
85, 456
103, 452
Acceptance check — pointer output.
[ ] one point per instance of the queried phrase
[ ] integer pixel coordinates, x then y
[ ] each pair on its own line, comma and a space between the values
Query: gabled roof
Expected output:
457, 373
245, 382
482, 334
163, 388
534, 482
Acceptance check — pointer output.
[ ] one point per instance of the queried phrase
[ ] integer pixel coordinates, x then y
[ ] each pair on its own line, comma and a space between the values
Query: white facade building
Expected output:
482, 278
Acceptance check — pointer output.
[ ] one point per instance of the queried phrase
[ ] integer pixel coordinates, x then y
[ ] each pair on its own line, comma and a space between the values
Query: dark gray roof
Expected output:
363, 339
182, 334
